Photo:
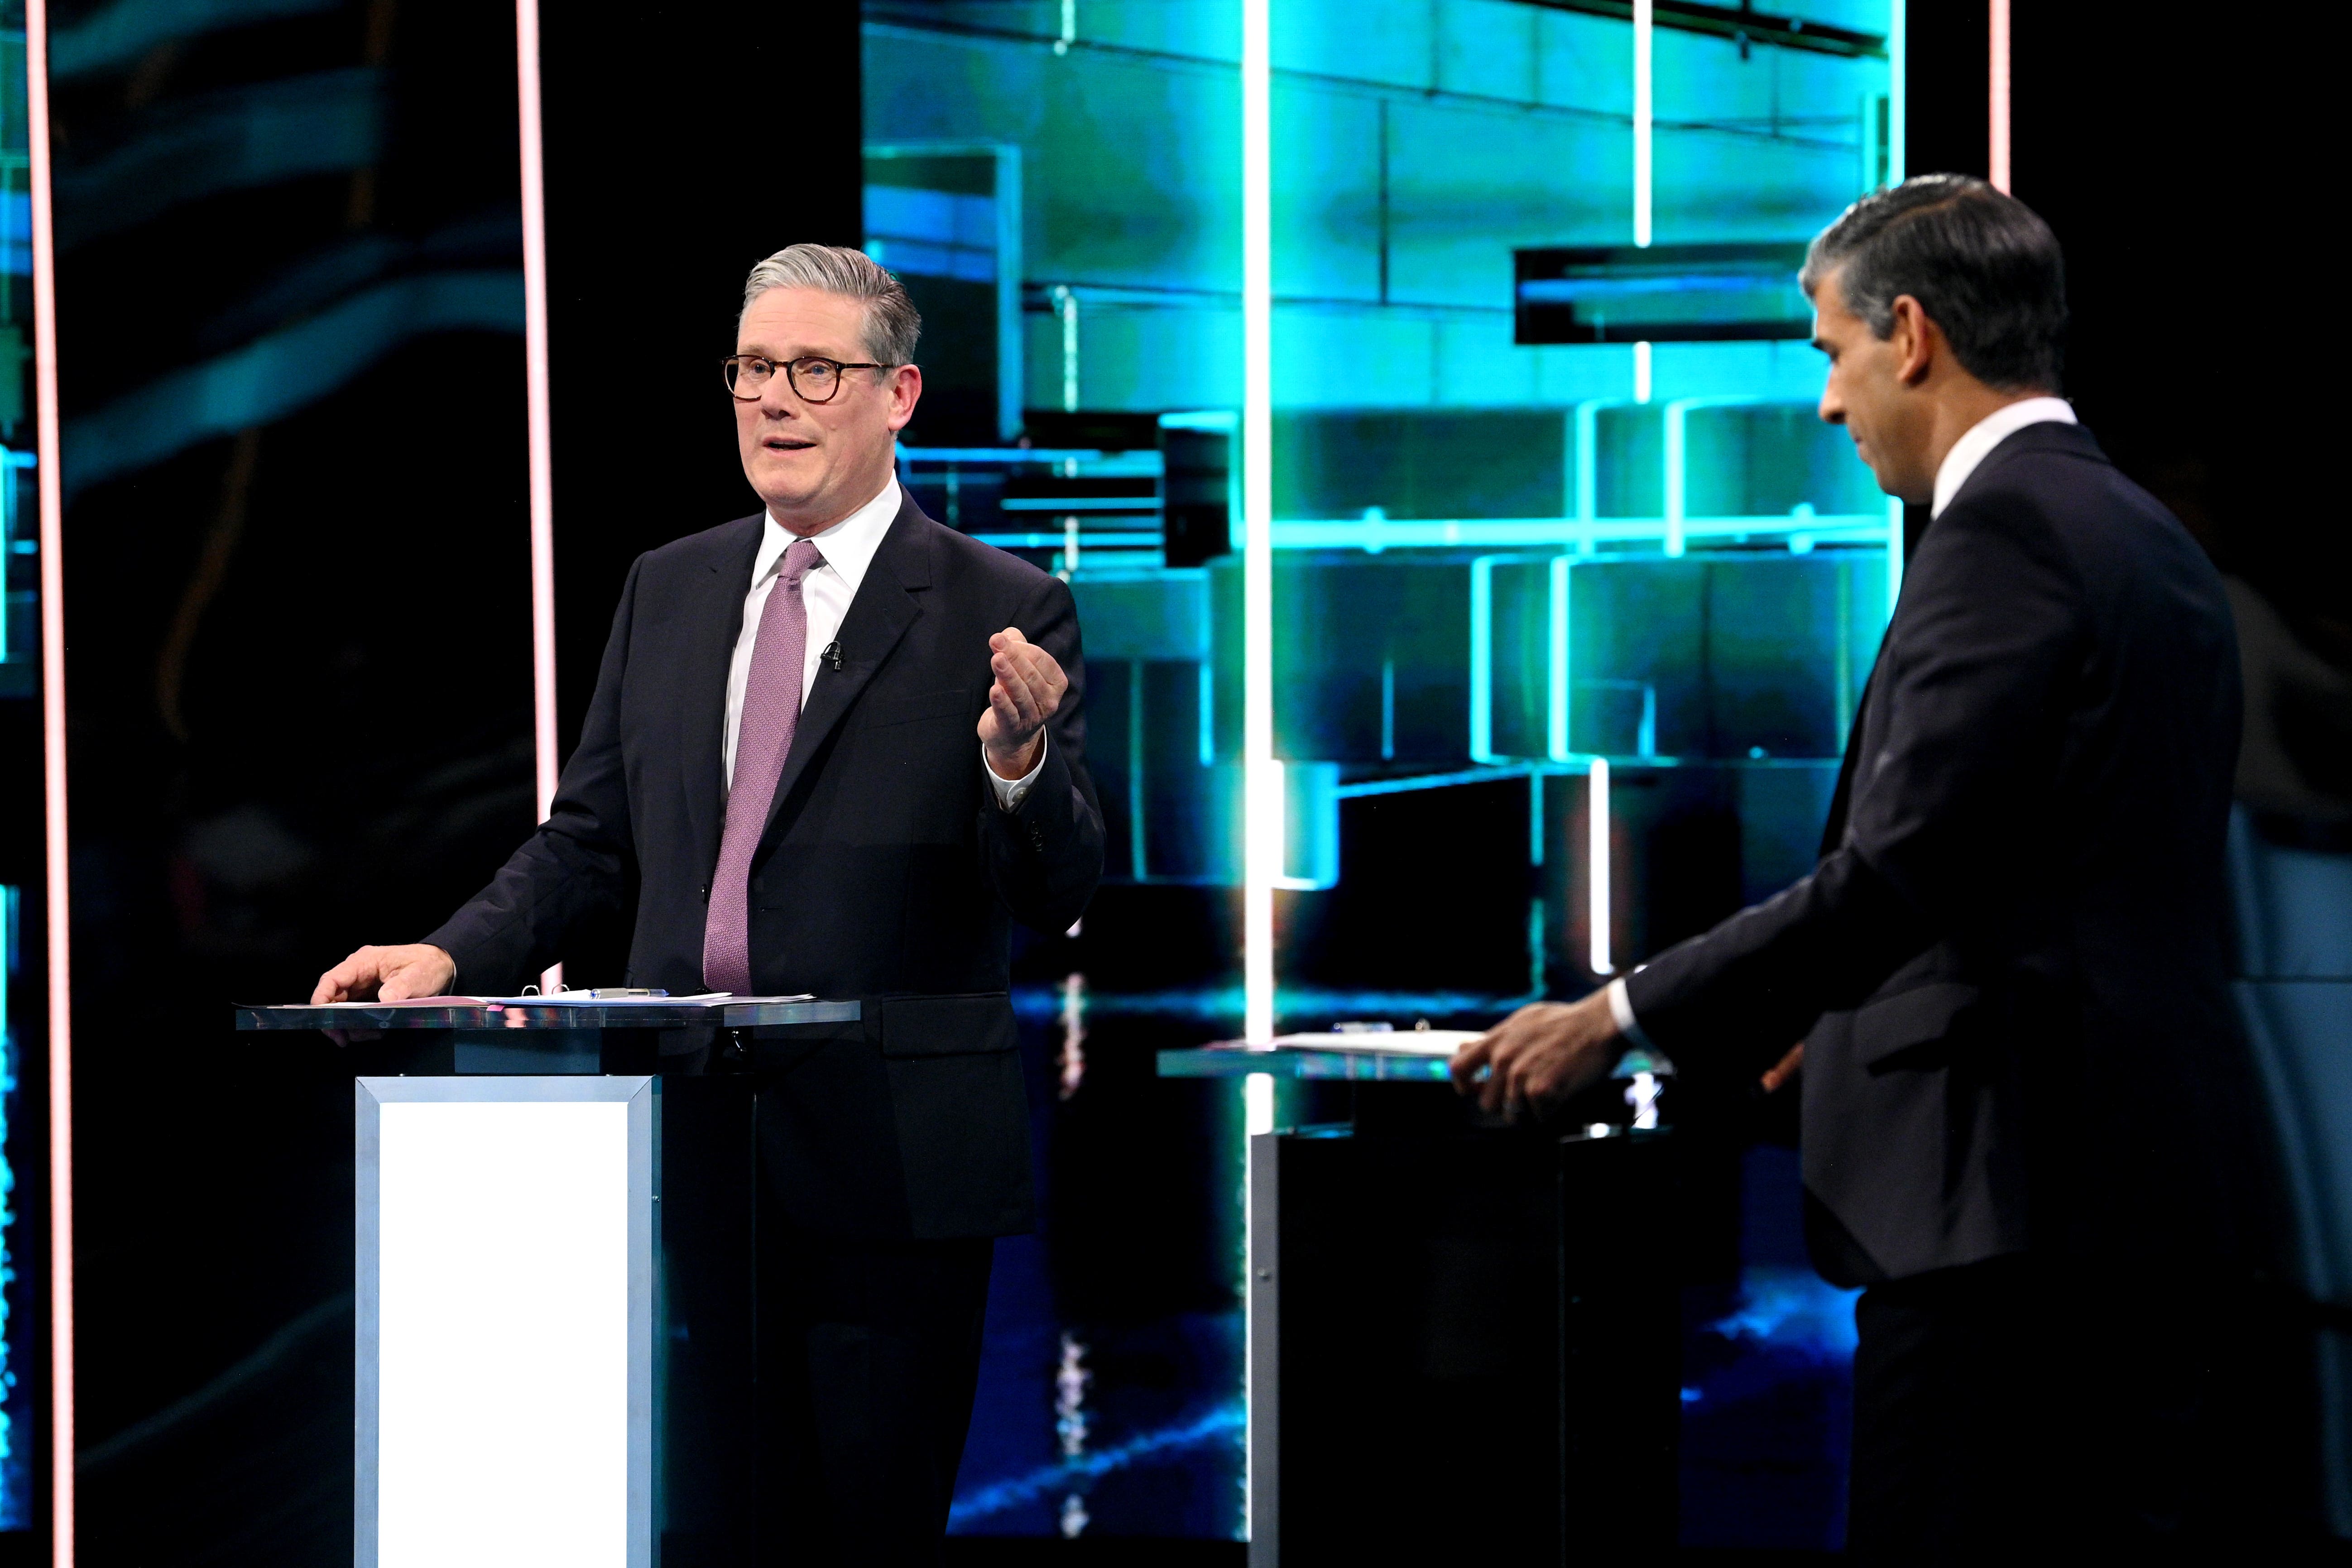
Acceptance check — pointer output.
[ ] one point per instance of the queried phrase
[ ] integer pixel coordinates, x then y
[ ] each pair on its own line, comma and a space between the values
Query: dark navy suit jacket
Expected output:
2009, 966
888, 872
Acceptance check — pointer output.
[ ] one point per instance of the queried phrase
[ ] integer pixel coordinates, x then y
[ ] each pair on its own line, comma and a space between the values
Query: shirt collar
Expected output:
1987, 433
848, 546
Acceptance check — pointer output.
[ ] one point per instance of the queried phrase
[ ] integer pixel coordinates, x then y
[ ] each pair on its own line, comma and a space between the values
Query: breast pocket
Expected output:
884, 712
1914, 1029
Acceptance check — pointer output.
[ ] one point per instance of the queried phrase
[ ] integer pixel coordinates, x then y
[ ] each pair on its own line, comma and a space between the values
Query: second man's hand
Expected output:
1540, 1054
1027, 690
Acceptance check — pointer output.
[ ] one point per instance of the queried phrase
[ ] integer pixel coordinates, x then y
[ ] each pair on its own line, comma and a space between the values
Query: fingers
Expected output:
1045, 673
1536, 1056
1019, 695
1011, 653
1502, 1066
1013, 727
1027, 691
386, 973
1472, 1056
1033, 692
419, 970
1505, 1053
347, 980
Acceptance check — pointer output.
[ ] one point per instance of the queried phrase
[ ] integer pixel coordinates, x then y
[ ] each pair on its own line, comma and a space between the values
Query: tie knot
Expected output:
801, 558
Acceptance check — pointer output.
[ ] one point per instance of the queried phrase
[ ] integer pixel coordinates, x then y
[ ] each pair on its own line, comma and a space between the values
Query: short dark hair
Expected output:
1982, 265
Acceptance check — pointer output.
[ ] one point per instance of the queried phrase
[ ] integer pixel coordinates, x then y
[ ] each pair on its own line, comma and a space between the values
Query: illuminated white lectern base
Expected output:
505, 1353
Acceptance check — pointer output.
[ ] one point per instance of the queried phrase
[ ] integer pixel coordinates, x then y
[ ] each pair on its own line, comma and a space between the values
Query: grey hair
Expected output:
1982, 265
892, 324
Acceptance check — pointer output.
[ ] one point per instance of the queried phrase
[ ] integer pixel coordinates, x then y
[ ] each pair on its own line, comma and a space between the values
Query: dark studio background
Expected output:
299, 675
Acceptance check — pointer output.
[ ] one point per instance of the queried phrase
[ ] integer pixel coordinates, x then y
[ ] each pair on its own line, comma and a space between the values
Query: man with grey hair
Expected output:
2028, 1126
833, 748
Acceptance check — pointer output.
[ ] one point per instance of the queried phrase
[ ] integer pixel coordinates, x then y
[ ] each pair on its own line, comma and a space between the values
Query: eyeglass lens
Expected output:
816, 380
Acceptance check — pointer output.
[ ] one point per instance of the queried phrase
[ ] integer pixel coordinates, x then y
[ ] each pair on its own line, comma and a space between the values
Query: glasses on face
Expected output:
813, 380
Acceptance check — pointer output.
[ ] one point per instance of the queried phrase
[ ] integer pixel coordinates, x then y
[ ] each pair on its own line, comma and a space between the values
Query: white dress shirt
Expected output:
1987, 433
847, 548
1961, 461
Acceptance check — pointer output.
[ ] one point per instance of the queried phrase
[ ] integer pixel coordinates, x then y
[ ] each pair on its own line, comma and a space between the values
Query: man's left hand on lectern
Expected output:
387, 974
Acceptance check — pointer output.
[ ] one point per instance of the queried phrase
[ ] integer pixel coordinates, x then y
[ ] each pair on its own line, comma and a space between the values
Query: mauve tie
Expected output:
771, 711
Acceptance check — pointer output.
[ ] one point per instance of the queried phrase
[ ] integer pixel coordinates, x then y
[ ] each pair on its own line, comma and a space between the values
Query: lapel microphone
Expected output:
833, 652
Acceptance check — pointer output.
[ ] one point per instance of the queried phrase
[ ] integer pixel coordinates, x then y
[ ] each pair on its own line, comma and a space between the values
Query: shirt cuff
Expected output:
1621, 1008
1011, 792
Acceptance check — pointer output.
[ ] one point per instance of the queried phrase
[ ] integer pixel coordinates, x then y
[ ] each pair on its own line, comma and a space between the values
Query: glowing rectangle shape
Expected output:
1597, 867
1262, 800
1644, 82
505, 1322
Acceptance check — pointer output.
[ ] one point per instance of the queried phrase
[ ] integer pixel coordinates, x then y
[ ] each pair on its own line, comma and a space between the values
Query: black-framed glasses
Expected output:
813, 380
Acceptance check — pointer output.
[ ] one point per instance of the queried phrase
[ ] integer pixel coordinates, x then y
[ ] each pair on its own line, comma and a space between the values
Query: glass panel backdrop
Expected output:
1572, 599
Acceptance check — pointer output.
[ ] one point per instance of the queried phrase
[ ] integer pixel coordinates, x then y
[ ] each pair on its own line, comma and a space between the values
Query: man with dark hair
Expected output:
2026, 1130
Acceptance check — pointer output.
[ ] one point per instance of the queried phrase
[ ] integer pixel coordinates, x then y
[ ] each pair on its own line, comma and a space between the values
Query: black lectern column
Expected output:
1463, 1335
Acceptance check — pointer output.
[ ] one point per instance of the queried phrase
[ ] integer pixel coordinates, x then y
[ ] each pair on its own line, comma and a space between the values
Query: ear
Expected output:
905, 391
1915, 340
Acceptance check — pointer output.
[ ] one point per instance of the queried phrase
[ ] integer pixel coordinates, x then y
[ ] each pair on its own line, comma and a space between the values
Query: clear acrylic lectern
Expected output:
554, 1232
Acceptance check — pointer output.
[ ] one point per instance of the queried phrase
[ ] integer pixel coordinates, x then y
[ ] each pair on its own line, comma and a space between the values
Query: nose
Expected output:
777, 400
1832, 406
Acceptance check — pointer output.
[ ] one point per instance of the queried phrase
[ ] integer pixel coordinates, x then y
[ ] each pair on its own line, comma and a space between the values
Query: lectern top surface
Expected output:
1415, 1056
553, 1012
1337, 1058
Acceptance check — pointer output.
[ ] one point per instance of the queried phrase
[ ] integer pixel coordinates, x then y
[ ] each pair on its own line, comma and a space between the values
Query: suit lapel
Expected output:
879, 618
714, 621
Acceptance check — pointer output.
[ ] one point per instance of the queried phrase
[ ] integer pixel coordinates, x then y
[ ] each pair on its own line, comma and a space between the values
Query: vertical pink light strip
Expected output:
53, 773
542, 461
1999, 174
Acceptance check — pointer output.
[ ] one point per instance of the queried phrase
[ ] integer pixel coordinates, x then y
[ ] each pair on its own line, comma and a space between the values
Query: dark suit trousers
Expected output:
2004, 1408
869, 1353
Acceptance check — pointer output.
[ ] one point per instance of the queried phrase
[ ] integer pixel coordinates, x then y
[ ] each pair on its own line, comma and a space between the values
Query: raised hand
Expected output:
1028, 689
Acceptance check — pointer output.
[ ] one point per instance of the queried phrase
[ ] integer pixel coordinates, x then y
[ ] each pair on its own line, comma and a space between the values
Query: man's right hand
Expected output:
387, 974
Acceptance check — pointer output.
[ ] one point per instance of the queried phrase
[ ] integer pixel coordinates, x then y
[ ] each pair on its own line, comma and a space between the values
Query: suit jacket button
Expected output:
704, 892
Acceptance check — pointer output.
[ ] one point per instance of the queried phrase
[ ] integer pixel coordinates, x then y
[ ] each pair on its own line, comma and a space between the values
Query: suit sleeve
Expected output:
573, 868
1947, 811
1044, 857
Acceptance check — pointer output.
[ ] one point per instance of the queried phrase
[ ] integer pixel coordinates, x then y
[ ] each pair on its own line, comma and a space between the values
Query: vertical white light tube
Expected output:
1894, 553
535, 394
1556, 687
1676, 428
1643, 180
1998, 138
53, 775
1597, 864
1898, 96
1262, 803
1261, 781
1641, 116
